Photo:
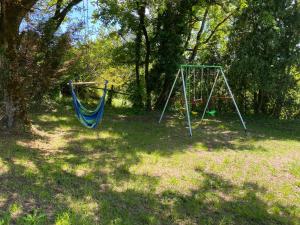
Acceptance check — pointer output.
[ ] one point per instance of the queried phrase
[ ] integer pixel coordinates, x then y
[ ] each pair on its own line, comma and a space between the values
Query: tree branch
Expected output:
195, 49
216, 28
58, 7
60, 16
28, 4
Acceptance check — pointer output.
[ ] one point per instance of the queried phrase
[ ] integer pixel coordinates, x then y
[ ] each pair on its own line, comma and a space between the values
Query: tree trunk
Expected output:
141, 12
277, 109
9, 109
12, 13
164, 93
110, 96
147, 80
261, 100
138, 96
138, 101
11, 80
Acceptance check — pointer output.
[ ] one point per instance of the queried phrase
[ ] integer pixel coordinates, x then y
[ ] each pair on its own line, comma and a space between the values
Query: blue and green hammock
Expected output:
89, 118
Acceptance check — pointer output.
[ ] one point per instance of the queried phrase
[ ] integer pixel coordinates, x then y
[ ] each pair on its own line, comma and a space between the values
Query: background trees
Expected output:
140, 44
264, 56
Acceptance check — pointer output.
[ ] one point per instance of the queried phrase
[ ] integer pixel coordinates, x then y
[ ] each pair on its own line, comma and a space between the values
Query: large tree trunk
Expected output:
147, 78
9, 109
12, 13
260, 102
4, 63
138, 96
12, 78
138, 101
172, 38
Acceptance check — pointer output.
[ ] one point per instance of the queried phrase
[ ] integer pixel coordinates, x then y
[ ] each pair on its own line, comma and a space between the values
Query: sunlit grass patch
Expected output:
29, 166
69, 218
4, 168
53, 118
15, 210
294, 169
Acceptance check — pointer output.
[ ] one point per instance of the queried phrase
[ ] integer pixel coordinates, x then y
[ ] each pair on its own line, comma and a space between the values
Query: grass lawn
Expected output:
135, 171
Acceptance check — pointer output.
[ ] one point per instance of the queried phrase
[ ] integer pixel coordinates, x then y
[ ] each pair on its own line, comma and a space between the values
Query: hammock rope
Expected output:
89, 118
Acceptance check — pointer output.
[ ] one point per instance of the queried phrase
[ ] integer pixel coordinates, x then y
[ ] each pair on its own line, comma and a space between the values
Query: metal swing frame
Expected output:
220, 73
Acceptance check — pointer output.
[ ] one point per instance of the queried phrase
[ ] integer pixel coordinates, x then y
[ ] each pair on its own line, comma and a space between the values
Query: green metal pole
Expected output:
186, 103
188, 88
234, 102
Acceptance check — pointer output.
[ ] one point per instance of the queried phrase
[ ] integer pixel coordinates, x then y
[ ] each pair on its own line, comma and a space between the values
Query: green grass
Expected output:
134, 171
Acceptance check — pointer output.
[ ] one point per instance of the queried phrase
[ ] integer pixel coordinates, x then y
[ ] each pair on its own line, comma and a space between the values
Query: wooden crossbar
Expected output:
91, 82
118, 92
84, 83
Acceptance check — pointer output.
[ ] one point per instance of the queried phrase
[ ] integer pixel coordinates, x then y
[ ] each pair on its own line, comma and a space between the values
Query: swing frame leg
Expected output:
186, 104
167, 102
234, 102
180, 72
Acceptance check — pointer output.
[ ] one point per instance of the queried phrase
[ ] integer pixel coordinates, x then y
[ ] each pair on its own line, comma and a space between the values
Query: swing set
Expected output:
196, 80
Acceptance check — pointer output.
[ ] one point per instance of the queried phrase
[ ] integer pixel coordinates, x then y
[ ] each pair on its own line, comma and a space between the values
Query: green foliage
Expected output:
170, 31
5, 219
256, 40
95, 62
35, 218
264, 55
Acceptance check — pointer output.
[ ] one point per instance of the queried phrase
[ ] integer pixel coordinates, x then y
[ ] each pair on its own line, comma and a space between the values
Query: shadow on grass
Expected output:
43, 182
53, 190
143, 133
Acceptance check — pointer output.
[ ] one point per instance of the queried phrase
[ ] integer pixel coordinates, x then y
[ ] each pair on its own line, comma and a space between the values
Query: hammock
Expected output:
89, 118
